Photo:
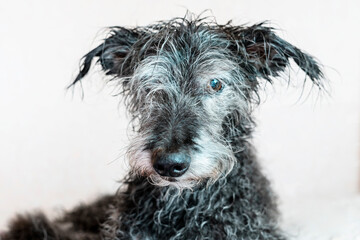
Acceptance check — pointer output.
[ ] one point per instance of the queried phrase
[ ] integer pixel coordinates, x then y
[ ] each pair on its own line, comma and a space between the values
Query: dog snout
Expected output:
171, 164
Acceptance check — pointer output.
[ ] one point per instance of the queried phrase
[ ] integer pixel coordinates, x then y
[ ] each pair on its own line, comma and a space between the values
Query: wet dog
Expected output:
190, 85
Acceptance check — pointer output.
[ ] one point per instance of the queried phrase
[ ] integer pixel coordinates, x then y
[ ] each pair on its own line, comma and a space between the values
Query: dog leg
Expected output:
82, 223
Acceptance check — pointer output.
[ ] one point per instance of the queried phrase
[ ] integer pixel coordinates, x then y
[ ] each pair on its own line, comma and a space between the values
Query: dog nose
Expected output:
171, 164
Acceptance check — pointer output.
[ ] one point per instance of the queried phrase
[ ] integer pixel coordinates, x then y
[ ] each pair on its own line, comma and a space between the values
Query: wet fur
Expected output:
160, 70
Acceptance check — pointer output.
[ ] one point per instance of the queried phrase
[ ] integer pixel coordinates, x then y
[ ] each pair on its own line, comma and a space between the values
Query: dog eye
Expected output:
215, 85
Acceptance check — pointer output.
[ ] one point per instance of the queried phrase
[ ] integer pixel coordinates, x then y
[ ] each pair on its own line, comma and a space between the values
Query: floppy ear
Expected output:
263, 54
112, 54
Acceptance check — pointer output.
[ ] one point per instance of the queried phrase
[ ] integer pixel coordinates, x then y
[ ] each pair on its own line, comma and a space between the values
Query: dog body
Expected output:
190, 85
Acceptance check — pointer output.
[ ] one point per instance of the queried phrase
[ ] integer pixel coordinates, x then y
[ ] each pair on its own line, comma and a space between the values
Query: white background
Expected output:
57, 150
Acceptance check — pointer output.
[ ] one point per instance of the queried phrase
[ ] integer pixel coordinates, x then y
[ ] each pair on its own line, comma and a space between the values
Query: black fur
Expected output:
163, 70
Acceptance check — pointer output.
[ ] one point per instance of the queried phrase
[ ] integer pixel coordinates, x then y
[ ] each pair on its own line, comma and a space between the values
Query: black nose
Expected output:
171, 164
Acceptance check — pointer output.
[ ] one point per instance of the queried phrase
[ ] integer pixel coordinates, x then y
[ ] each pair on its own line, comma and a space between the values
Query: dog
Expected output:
190, 86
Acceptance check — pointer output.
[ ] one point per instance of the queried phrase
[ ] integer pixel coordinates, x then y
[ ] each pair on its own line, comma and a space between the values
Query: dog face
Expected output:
189, 86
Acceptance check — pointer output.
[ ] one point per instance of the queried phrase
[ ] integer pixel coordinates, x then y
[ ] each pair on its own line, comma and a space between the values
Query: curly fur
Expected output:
163, 71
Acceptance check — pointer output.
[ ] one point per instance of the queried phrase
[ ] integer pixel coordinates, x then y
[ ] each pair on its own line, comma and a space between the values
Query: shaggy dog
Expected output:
190, 85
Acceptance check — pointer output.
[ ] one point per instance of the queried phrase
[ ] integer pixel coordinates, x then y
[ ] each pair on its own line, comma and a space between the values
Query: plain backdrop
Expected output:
57, 149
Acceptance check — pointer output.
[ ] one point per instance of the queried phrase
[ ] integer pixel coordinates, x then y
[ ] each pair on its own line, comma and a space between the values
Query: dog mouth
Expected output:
178, 180
170, 179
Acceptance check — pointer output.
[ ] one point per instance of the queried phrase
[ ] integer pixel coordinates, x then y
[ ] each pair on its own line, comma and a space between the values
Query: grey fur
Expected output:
163, 71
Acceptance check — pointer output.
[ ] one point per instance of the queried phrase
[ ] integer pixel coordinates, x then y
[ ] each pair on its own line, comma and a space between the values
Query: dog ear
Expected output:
112, 54
262, 53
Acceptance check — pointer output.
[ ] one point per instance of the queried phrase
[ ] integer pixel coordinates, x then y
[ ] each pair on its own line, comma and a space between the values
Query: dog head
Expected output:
189, 85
